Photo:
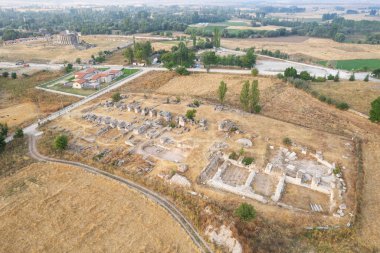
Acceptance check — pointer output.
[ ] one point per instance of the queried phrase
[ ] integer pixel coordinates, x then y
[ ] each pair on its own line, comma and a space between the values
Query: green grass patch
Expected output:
353, 65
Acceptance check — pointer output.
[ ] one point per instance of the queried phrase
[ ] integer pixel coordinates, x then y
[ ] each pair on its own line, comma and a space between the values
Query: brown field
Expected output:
21, 103
57, 208
358, 94
313, 48
260, 28
45, 52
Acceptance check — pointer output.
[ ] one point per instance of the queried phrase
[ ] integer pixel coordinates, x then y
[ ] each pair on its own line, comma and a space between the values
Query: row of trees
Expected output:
126, 20
249, 96
5, 74
246, 61
3, 135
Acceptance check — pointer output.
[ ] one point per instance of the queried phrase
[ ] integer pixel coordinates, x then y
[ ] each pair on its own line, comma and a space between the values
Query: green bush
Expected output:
287, 141
247, 161
60, 142
116, 97
330, 77
280, 76
342, 106
245, 212
352, 77
19, 133
257, 108
322, 98
182, 71
14, 75
196, 103
337, 170
255, 72
366, 78
374, 114
190, 114
315, 93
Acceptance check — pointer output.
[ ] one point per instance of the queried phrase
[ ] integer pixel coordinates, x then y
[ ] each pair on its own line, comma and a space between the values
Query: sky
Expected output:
168, 2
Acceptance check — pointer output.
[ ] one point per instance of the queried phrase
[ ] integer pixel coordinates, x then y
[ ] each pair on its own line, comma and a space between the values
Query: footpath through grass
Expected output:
353, 65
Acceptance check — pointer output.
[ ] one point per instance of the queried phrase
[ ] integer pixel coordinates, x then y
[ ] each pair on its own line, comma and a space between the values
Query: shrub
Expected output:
19, 133
14, 75
342, 106
374, 114
330, 101
245, 212
190, 114
280, 76
182, 71
290, 72
233, 156
366, 78
330, 77
60, 142
196, 103
322, 98
336, 77
315, 93
5, 74
241, 152
255, 72
172, 124
352, 77
257, 108
247, 161
319, 79
304, 75
337, 170
287, 141
116, 97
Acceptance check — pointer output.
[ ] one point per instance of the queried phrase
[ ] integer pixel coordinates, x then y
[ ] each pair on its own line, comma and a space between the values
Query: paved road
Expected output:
160, 200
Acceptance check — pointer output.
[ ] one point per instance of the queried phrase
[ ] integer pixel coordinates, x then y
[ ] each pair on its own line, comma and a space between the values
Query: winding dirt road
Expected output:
160, 200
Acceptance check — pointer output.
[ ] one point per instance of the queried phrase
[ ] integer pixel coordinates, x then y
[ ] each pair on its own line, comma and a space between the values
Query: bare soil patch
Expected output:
76, 211
315, 48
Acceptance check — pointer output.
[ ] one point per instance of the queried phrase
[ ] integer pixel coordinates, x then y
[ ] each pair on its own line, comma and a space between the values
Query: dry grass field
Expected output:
358, 94
313, 48
21, 103
45, 52
57, 208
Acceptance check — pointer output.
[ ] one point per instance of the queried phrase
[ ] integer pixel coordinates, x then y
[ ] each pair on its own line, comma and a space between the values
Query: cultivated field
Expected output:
308, 48
54, 208
45, 52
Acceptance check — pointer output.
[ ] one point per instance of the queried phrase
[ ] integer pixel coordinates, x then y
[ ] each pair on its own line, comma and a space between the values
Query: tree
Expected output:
336, 77
304, 75
330, 77
245, 212
290, 72
78, 60
19, 133
366, 78
208, 59
222, 90
190, 114
69, 68
244, 96
376, 73
5, 74
216, 37
14, 75
60, 142
287, 141
255, 72
254, 97
374, 114
352, 77
116, 97
128, 53
182, 71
